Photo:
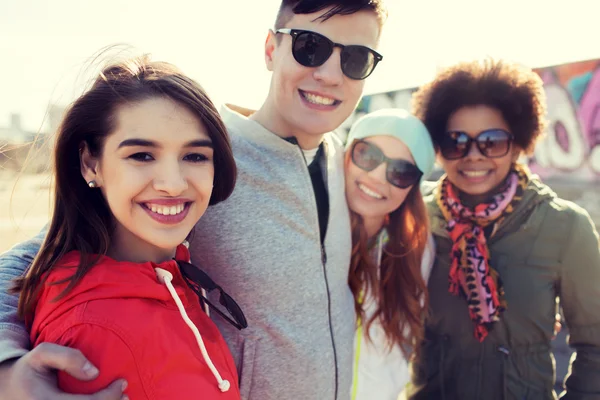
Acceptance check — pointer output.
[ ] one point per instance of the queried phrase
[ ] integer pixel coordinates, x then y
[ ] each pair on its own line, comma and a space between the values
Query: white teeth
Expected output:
475, 174
369, 192
316, 99
166, 210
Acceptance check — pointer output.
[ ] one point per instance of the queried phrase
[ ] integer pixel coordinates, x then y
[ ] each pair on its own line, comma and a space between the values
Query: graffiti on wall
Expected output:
572, 142
571, 145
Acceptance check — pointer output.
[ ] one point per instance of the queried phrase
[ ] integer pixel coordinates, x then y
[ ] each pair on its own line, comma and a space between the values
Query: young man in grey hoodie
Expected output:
280, 245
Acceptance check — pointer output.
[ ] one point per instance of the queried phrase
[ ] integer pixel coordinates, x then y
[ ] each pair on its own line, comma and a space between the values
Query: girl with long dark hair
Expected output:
138, 159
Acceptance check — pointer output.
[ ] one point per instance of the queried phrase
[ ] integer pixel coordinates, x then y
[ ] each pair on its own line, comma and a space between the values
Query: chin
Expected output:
168, 243
367, 213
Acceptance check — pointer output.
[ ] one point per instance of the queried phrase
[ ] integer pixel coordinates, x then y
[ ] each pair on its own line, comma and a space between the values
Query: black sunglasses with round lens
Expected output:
197, 279
312, 49
400, 173
492, 143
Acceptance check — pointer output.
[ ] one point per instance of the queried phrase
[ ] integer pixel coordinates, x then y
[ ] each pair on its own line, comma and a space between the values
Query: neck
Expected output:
275, 123
126, 247
373, 225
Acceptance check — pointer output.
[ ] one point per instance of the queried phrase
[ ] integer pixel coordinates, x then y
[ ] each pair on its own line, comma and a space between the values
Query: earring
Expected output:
92, 184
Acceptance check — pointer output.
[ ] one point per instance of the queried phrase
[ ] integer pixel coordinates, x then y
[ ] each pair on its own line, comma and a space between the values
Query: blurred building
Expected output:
24, 150
15, 133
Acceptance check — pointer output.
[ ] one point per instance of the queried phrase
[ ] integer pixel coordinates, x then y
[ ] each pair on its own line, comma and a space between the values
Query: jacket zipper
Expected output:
323, 262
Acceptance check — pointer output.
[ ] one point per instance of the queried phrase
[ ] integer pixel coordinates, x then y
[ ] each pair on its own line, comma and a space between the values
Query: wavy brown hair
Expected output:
81, 219
399, 288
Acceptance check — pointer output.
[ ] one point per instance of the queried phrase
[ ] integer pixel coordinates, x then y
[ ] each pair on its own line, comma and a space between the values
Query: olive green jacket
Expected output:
547, 249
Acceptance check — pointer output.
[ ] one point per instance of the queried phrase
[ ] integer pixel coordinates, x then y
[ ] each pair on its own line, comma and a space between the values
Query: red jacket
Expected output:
128, 325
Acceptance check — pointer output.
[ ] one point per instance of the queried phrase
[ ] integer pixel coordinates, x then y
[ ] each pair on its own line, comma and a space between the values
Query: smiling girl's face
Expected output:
156, 173
369, 193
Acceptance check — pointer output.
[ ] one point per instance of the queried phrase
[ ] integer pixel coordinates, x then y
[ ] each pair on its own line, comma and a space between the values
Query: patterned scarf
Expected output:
470, 271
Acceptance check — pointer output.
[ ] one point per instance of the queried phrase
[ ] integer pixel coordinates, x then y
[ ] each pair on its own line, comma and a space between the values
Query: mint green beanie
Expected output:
402, 125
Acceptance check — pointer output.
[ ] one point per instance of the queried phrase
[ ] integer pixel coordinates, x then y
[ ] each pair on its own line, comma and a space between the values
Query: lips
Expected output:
165, 209
167, 212
319, 100
476, 174
369, 192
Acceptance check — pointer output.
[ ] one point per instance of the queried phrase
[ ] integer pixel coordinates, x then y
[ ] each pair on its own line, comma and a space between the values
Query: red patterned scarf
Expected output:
470, 270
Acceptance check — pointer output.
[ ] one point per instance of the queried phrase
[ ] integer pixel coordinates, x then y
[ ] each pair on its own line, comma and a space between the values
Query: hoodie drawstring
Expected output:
166, 277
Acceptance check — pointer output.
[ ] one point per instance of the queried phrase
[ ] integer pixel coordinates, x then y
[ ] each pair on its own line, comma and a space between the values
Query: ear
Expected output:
438, 158
89, 165
270, 45
347, 157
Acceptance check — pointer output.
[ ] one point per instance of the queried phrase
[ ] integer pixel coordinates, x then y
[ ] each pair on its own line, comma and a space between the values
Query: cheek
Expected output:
201, 179
397, 197
123, 182
290, 73
506, 163
354, 92
351, 174
449, 166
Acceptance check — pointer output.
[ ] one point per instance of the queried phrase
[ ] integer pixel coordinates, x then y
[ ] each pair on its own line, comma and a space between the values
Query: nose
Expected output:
170, 179
330, 73
379, 174
474, 153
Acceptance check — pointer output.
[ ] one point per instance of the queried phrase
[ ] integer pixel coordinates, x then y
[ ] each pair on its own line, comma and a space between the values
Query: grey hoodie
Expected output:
262, 245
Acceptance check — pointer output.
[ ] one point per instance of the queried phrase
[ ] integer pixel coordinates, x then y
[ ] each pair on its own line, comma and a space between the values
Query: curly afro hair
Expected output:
516, 91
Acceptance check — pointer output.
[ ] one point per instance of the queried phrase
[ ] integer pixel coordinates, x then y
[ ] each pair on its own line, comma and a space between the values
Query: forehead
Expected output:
392, 147
359, 28
158, 119
474, 119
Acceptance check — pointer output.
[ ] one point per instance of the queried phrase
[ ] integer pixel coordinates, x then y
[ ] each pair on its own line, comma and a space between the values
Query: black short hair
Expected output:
515, 90
335, 7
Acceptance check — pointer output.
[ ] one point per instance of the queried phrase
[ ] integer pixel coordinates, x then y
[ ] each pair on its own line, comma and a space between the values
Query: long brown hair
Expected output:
81, 219
398, 287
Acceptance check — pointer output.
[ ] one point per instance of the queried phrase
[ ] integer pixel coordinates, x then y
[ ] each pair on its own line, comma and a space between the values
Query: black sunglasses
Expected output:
197, 279
312, 49
400, 173
492, 143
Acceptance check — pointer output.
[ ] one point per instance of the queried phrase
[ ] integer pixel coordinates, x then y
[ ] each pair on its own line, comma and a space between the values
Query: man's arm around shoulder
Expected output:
26, 375
14, 339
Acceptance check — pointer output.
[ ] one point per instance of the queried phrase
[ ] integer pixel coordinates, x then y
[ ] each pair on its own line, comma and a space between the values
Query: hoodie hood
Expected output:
161, 282
116, 279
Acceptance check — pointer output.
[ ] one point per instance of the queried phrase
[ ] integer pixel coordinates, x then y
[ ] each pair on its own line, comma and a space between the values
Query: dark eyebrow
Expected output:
199, 143
137, 142
150, 143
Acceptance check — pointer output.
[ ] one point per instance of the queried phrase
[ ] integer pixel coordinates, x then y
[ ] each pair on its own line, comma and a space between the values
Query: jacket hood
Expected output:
161, 282
116, 279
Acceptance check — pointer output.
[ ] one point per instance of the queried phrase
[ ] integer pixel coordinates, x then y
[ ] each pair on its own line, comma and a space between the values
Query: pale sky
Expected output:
44, 44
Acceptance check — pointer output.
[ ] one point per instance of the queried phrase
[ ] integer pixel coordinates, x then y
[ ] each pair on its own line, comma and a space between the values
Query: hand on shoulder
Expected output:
33, 377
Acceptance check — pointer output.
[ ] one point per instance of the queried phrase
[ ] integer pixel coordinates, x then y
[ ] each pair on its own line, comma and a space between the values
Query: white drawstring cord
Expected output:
166, 277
